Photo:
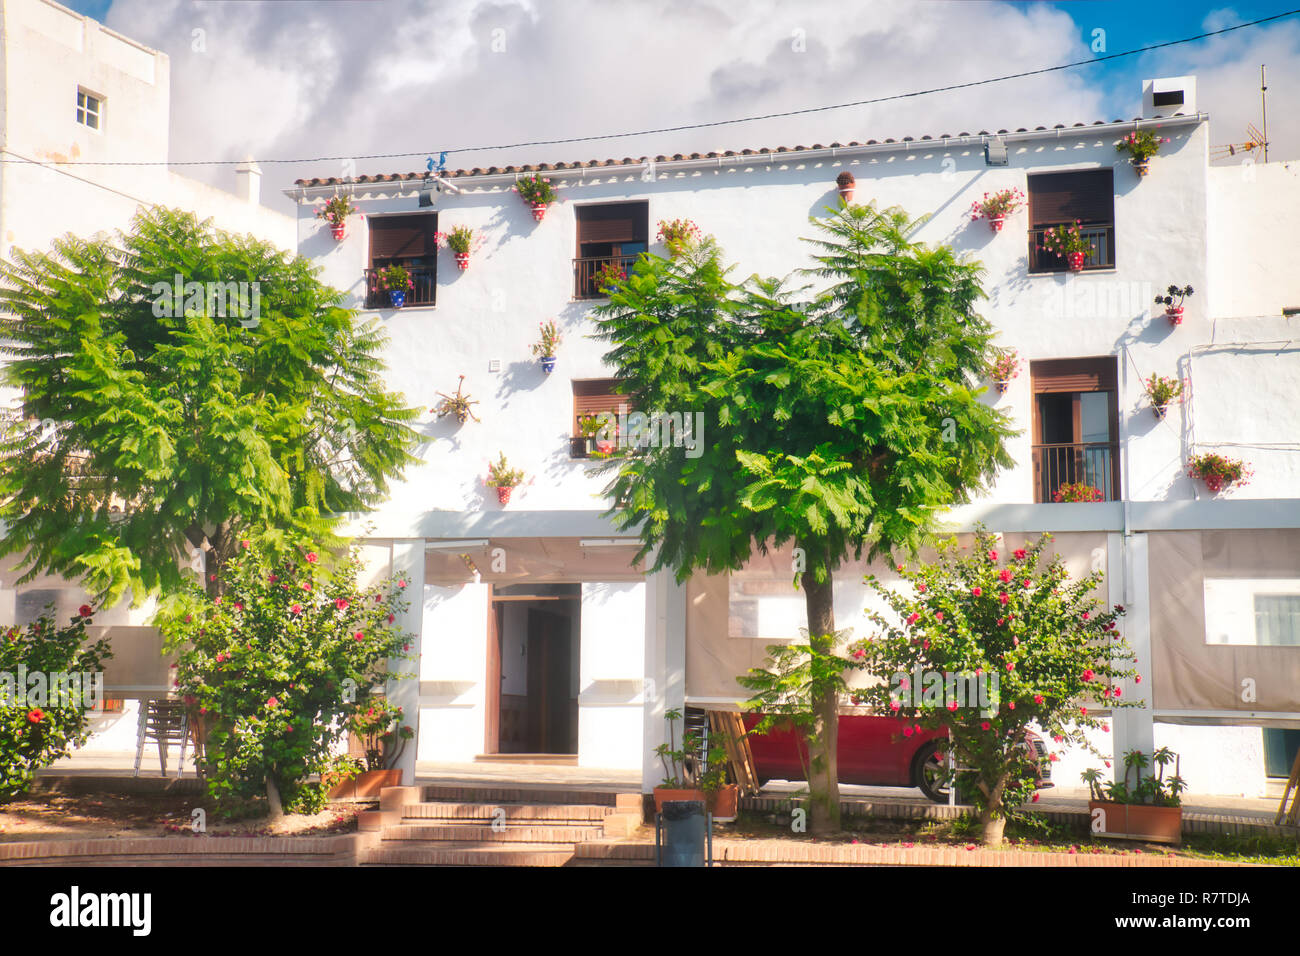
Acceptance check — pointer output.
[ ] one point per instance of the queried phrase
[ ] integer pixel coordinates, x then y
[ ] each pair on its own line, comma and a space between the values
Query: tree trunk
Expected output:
275, 808
992, 835
991, 816
823, 746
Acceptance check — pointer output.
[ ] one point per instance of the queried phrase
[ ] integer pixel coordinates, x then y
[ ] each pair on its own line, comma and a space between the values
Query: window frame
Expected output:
84, 112
1076, 377
1043, 263
425, 293
585, 266
596, 402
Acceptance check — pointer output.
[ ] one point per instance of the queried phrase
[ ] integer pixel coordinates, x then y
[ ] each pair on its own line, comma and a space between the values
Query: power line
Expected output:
696, 126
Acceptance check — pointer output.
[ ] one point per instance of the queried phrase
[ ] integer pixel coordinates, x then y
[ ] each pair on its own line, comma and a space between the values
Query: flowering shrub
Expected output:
273, 667
38, 723
1004, 202
460, 240
1065, 240
549, 343
1216, 470
1141, 145
501, 475
1054, 649
1078, 491
336, 210
679, 235
535, 190
383, 735
1007, 366
395, 277
1163, 390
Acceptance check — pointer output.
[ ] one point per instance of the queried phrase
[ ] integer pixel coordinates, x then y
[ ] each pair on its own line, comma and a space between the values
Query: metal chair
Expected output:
165, 722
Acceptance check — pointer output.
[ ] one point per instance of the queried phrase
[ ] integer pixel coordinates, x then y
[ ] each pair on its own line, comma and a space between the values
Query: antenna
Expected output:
1255, 138
1263, 108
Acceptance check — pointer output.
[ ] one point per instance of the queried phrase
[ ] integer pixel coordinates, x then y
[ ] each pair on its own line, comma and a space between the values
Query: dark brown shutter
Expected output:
593, 396
1074, 375
402, 237
1087, 196
613, 222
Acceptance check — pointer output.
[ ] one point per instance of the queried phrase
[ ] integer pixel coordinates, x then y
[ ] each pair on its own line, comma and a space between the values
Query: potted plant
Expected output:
377, 723
1140, 145
1217, 470
537, 192
607, 276
460, 241
996, 206
679, 235
1163, 391
546, 347
1149, 810
590, 428
458, 404
1173, 302
1005, 368
396, 280
686, 777
1077, 491
336, 211
845, 184
503, 478
1067, 242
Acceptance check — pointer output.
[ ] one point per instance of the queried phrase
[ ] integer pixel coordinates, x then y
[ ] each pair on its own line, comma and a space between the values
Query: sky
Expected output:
297, 79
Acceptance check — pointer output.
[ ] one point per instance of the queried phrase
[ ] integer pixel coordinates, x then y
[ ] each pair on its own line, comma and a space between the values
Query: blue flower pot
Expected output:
397, 298
548, 364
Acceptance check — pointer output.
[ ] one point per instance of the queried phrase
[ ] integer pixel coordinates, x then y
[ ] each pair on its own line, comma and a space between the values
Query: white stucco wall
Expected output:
613, 653
1253, 210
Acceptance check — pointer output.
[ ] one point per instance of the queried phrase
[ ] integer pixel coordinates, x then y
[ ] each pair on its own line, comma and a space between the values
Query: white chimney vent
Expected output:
1169, 96
248, 181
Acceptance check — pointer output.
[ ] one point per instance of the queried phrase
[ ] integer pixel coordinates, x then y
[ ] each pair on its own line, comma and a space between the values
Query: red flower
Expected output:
1053, 757
311, 557
272, 578
1115, 692
244, 544
1011, 705
239, 606
907, 731
1028, 583
976, 592
1138, 679
1004, 597
341, 604
1005, 574
952, 705
1038, 698
401, 584
1083, 711
1020, 554
391, 619
271, 702
993, 555
1087, 675
984, 726
859, 653
1010, 667
358, 636
36, 715
85, 610
921, 588
894, 705
938, 616
913, 618
296, 609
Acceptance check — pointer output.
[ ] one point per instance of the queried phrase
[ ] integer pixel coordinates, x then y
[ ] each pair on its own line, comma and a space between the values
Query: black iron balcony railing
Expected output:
586, 273
1088, 463
424, 291
1101, 237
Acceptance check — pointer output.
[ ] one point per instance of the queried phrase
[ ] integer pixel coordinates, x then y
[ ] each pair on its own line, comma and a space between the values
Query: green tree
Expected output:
843, 422
156, 425
999, 640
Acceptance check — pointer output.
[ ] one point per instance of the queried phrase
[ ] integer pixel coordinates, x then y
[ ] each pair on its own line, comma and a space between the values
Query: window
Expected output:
90, 110
1253, 612
1277, 620
1057, 199
608, 234
591, 399
406, 241
1280, 747
1076, 426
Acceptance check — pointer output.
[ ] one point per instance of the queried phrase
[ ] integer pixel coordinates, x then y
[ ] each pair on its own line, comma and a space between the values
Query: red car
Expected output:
872, 752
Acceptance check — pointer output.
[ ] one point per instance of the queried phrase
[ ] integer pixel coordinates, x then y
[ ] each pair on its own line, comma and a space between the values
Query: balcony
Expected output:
424, 293
1092, 463
1101, 236
584, 274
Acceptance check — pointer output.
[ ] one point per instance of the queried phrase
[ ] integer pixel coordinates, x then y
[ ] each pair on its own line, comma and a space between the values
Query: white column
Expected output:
1134, 727
665, 667
408, 565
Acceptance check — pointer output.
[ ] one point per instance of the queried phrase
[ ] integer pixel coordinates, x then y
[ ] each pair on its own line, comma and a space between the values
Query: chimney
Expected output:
248, 181
1169, 96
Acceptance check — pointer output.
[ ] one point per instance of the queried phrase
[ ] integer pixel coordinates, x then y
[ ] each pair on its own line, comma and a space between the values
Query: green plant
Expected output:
336, 210
549, 343
459, 240
682, 766
377, 723
1006, 366
458, 404
679, 235
608, 276
1065, 240
1077, 491
1029, 644
501, 475
1141, 145
339, 770
1003, 202
395, 278
1161, 391
535, 190
1218, 470
274, 667
1174, 296
1152, 789
41, 722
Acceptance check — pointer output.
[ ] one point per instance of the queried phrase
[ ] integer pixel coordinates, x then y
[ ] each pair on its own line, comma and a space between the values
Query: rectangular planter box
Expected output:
725, 803
1139, 821
367, 785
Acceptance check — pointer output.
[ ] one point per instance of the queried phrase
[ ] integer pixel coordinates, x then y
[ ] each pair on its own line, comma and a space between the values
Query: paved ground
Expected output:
629, 781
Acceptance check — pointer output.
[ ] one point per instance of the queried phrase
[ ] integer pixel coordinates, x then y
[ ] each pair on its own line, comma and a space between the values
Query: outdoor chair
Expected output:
165, 722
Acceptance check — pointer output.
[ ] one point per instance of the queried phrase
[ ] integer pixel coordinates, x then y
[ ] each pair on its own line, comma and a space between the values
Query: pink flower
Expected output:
895, 705
1105, 728
1029, 583
1087, 675
188, 618
245, 544
1001, 621
1038, 698
921, 588
859, 654
938, 616
976, 592
1083, 711
1004, 597
1138, 679
1115, 692
913, 618
1053, 757
271, 702
1015, 641
272, 578
239, 606
359, 636
1020, 554
905, 684
401, 584
341, 604
406, 647
296, 609
1085, 615
391, 619
1005, 574
306, 586
216, 600
311, 557
1058, 738
1011, 705
907, 731
984, 725
1010, 667
993, 555
925, 645
952, 705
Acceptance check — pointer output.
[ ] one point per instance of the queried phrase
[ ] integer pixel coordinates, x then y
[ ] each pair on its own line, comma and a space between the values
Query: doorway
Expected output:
533, 658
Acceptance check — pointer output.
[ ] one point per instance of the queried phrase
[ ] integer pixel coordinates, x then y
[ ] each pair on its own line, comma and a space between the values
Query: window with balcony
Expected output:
406, 241
591, 399
1057, 199
1076, 426
609, 235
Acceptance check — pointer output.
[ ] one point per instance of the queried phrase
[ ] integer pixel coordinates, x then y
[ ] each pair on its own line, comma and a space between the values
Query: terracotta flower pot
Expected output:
997, 222
1138, 821
462, 261
367, 785
539, 210
338, 230
503, 495
846, 193
1076, 260
667, 795
723, 804
1174, 314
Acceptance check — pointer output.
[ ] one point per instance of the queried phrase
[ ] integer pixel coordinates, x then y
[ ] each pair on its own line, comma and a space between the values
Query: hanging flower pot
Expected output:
1160, 410
1173, 302
997, 222
1076, 261
1005, 368
845, 184
1142, 167
539, 210
1002, 386
996, 206
546, 347
339, 231
504, 478
1141, 145
1175, 314
336, 211
1162, 392
503, 494
462, 261
1217, 471
548, 363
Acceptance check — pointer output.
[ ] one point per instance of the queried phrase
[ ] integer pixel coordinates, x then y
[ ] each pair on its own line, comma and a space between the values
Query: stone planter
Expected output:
1137, 821
367, 785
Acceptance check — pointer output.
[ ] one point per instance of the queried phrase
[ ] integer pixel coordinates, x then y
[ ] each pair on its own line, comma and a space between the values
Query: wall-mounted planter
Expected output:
1142, 167
1174, 314
462, 261
339, 231
547, 363
397, 298
539, 210
1002, 386
845, 184
997, 222
1076, 260
503, 495
1137, 821
1160, 410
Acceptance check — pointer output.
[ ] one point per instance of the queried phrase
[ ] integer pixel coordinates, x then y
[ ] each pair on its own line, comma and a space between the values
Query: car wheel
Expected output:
928, 774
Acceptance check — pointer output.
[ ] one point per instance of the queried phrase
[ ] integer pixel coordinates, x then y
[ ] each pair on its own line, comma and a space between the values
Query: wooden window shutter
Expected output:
403, 237
593, 396
613, 222
1074, 375
1088, 196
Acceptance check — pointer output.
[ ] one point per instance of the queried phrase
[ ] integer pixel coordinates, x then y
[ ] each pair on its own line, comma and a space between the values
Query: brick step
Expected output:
453, 793
468, 854
443, 831
487, 812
